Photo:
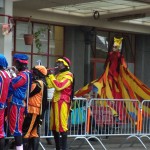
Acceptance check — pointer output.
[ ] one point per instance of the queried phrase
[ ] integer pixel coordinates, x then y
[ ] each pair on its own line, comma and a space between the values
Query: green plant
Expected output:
38, 42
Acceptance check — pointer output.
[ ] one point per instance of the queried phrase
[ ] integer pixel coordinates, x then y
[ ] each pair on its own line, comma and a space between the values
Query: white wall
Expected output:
6, 44
66, 19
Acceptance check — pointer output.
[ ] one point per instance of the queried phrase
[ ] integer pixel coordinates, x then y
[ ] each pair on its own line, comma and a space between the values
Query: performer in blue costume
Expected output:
4, 85
18, 93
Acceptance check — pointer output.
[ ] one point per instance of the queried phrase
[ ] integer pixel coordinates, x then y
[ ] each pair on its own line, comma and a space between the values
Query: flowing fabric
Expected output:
117, 82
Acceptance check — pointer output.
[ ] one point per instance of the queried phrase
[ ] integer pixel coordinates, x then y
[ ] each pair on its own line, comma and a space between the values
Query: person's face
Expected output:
115, 48
60, 65
35, 73
16, 64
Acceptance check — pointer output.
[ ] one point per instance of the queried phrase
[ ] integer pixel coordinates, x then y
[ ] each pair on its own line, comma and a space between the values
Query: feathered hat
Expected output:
66, 61
41, 69
22, 58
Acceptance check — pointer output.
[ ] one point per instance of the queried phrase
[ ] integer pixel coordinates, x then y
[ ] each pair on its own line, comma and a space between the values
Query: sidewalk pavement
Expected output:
112, 143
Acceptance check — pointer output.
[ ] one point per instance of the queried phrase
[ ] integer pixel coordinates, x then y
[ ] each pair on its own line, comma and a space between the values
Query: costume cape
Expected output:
117, 82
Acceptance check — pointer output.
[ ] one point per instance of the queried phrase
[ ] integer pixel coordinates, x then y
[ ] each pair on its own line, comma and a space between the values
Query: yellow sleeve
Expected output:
49, 82
59, 85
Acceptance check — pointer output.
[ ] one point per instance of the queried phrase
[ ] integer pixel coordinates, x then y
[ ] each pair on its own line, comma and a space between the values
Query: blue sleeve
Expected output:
10, 90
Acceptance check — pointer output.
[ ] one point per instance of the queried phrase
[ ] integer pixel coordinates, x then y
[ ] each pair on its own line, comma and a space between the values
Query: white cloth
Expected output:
19, 147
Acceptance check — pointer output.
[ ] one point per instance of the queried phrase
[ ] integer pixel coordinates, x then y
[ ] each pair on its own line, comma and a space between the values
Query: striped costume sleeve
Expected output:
59, 85
19, 81
35, 88
48, 82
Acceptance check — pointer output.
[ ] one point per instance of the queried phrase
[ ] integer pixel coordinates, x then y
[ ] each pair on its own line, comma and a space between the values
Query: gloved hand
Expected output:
49, 72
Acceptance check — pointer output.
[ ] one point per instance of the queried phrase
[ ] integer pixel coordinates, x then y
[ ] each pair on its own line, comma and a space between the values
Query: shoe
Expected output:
93, 139
12, 145
49, 142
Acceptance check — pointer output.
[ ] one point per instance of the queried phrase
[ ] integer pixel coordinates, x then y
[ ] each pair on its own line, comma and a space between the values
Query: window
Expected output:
104, 43
21, 29
56, 40
51, 38
101, 44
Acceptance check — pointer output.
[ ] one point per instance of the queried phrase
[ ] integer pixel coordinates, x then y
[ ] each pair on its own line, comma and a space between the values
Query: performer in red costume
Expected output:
36, 108
114, 60
18, 94
63, 84
4, 85
117, 82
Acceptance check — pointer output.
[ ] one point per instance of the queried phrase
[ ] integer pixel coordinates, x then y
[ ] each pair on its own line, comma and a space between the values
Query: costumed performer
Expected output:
4, 85
36, 108
18, 98
63, 82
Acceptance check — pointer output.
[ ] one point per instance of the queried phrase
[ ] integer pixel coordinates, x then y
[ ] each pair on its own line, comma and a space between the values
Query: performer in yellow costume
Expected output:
63, 84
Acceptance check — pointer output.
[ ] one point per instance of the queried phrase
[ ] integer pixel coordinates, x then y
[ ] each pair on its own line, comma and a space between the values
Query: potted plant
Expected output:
38, 42
28, 38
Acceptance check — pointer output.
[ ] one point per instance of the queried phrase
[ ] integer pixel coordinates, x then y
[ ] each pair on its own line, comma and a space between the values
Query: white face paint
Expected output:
116, 48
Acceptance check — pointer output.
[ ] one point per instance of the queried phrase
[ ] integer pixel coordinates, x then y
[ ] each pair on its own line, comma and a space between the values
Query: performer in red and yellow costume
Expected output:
36, 108
4, 85
63, 84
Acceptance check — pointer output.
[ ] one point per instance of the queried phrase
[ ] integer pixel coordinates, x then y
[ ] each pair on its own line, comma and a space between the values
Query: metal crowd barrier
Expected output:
145, 122
143, 125
96, 118
109, 117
